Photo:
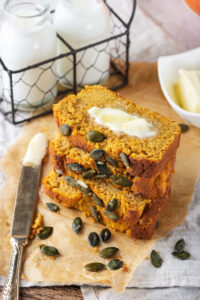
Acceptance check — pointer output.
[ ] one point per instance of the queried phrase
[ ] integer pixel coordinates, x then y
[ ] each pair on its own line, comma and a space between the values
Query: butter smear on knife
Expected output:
36, 150
188, 90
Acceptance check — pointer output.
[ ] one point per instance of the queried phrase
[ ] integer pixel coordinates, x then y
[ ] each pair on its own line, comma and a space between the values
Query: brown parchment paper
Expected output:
75, 251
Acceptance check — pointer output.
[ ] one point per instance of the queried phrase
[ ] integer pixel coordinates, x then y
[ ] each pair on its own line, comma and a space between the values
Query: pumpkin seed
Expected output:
53, 207
65, 130
98, 201
45, 233
121, 180
89, 174
184, 127
101, 176
112, 205
156, 259
71, 181
124, 159
157, 224
83, 187
181, 255
180, 245
115, 264
95, 213
77, 225
48, 250
59, 172
93, 239
105, 235
111, 215
97, 154
102, 168
94, 267
76, 168
96, 136
108, 252
112, 161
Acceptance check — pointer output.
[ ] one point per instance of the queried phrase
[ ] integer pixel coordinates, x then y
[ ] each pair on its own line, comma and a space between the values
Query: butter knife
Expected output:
25, 203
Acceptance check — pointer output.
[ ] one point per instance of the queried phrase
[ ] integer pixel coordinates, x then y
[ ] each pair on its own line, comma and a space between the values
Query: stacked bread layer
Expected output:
147, 175
63, 154
137, 216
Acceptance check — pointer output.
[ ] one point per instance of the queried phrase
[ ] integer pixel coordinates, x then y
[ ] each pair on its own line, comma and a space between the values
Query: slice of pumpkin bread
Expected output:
126, 213
64, 156
146, 155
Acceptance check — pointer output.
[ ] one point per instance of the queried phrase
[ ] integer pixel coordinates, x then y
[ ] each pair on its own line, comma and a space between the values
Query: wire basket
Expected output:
116, 46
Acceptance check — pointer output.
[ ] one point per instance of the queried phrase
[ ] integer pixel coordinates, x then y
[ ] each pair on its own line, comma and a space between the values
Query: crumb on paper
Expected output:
95, 249
7, 223
45, 130
125, 268
52, 257
37, 226
86, 214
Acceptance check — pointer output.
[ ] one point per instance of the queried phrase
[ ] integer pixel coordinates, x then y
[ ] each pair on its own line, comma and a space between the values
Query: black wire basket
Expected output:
116, 46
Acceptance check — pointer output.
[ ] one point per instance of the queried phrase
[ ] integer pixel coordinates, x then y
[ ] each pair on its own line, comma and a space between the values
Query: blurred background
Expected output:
159, 27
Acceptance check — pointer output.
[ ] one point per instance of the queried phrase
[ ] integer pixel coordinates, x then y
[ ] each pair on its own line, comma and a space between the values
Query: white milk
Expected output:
27, 37
81, 23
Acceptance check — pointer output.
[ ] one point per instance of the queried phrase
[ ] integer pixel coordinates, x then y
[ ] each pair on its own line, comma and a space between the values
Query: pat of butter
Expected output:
36, 150
188, 90
121, 122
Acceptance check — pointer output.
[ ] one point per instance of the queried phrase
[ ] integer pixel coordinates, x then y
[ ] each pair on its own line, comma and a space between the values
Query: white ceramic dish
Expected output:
168, 67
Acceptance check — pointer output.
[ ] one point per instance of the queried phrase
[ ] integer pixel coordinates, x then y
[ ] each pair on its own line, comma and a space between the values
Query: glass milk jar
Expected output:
27, 37
81, 23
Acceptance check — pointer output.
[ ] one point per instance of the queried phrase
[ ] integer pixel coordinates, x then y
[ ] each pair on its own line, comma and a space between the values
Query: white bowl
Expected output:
168, 67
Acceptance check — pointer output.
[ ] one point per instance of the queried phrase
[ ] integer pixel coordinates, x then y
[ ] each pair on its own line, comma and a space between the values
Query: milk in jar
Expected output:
27, 38
82, 23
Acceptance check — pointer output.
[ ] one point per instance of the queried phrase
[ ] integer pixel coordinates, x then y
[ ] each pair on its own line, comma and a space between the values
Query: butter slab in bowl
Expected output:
168, 67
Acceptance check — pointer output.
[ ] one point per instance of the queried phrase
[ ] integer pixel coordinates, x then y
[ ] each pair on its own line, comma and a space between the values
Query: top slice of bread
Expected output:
146, 155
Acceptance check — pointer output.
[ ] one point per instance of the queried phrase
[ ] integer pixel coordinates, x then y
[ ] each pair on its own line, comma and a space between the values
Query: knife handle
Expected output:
11, 287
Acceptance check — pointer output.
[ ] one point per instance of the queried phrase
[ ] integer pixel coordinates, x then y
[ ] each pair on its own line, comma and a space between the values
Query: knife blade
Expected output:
25, 203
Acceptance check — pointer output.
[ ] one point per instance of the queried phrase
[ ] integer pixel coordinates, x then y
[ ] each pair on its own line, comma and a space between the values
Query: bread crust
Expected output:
136, 224
151, 161
144, 229
147, 168
139, 166
153, 187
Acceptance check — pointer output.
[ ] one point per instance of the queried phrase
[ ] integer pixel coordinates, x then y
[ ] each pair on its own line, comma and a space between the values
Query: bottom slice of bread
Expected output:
137, 217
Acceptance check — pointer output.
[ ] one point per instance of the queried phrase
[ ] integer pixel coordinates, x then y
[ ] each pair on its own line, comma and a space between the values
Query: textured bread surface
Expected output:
151, 162
147, 156
62, 153
137, 216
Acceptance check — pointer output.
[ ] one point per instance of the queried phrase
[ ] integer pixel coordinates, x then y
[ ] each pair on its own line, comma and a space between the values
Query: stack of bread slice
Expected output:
120, 180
